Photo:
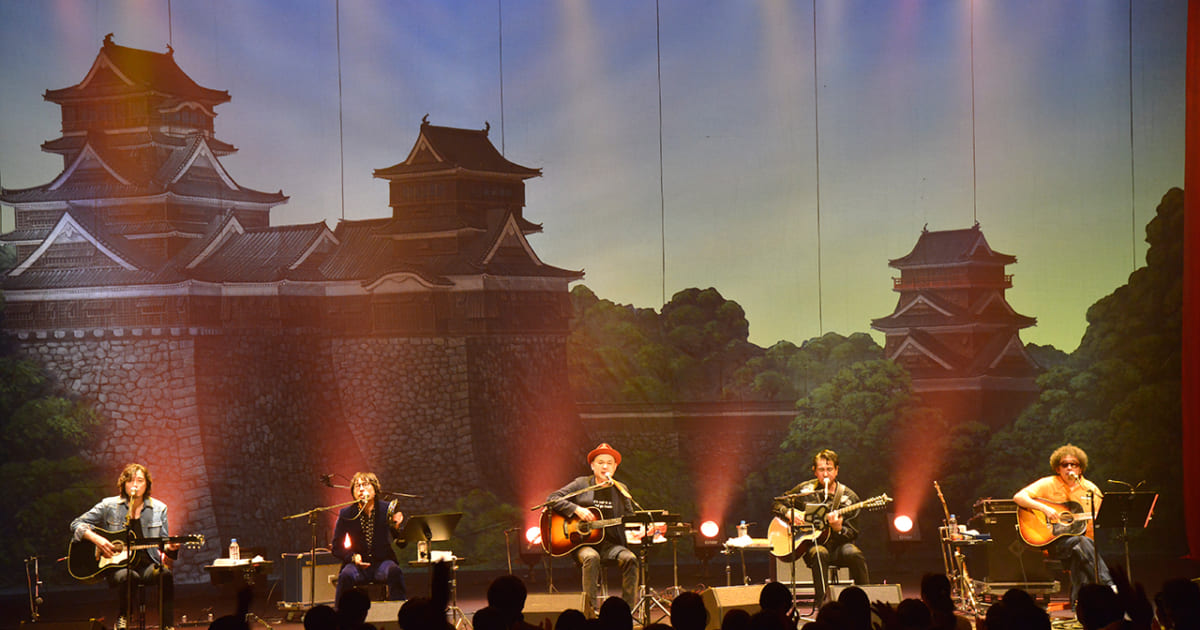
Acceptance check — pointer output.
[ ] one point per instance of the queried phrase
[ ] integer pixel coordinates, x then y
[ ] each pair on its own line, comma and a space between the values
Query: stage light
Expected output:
903, 527
531, 552
709, 529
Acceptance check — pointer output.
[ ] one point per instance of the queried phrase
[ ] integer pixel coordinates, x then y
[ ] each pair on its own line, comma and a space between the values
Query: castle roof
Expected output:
122, 70
100, 173
448, 149
925, 309
951, 247
130, 140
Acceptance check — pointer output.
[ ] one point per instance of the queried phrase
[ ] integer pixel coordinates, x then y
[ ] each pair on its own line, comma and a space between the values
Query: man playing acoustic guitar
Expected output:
147, 518
609, 499
827, 496
1062, 505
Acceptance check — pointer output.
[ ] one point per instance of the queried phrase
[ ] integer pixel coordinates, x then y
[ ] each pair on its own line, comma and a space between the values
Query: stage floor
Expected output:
70, 605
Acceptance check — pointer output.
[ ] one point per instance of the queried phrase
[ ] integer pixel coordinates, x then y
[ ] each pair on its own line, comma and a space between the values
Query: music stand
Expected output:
1126, 510
647, 598
429, 527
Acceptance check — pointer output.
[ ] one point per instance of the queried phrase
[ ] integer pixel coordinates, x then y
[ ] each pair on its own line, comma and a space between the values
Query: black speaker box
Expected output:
886, 593
382, 615
719, 600
1009, 559
541, 606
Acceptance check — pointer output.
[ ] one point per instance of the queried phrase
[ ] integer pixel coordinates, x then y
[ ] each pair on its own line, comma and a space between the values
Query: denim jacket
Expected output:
109, 514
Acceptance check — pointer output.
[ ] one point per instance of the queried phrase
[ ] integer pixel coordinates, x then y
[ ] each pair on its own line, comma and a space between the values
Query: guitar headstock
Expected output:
194, 541
877, 502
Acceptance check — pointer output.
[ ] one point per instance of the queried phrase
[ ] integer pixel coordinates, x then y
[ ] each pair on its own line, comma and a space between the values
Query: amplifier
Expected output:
995, 506
298, 574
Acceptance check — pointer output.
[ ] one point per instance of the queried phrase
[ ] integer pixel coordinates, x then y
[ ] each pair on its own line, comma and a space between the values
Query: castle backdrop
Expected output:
789, 192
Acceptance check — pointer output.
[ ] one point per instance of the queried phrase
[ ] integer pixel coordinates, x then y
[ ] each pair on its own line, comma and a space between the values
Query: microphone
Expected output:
327, 480
827, 487
1073, 475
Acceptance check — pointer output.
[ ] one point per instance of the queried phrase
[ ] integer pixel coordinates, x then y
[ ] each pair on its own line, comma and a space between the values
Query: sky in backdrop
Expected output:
780, 151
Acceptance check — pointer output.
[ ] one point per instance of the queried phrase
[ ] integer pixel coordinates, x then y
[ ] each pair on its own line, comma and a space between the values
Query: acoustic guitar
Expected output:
85, 562
563, 534
790, 542
1037, 530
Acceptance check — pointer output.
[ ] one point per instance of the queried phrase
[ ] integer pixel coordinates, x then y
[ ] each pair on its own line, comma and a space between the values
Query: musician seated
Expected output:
1066, 491
599, 497
362, 540
106, 526
835, 543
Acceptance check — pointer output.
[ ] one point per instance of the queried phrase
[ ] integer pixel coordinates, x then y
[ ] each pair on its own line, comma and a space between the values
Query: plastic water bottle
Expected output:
235, 552
952, 527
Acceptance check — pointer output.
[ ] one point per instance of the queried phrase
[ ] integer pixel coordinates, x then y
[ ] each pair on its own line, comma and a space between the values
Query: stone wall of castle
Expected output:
237, 428
144, 386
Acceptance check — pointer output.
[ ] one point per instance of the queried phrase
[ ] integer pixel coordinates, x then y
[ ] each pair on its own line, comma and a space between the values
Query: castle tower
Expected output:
139, 158
428, 346
954, 331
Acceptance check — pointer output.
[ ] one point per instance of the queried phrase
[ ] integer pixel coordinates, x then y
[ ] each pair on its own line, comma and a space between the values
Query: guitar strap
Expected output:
837, 496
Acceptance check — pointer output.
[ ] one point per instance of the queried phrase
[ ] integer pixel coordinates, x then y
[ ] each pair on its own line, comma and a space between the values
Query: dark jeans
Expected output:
590, 558
386, 572
819, 559
1078, 553
147, 575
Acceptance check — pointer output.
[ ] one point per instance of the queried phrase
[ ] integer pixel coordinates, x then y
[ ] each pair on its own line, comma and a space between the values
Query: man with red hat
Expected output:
599, 497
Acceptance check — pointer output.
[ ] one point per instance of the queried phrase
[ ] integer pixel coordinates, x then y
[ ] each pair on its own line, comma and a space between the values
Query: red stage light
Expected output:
709, 529
533, 535
903, 523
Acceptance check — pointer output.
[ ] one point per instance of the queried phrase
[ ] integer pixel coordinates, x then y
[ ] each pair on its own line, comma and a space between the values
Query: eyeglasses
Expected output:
1069, 465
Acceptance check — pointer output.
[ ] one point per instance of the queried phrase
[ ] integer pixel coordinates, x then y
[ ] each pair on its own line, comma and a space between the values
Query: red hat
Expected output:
604, 449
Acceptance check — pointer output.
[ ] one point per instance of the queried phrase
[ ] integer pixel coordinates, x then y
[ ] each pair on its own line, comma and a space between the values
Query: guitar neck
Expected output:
853, 506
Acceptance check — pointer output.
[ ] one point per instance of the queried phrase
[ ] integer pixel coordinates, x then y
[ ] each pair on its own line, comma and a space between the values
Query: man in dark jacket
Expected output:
836, 543
603, 498
362, 540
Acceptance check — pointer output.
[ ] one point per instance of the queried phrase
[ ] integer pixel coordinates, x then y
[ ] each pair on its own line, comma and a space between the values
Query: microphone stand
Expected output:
129, 568
508, 547
312, 549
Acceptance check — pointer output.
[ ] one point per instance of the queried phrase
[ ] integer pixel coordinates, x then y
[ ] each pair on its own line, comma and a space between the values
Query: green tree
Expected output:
479, 536
1118, 395
46, 479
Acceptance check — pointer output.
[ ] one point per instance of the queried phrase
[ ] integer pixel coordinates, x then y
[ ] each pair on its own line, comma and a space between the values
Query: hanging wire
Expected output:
337, 8
500, 38
1133, 231
974, 172
817, 156
662, 204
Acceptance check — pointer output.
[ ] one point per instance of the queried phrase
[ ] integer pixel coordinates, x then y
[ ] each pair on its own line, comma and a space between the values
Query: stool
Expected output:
376, 591
602, 590
137, 601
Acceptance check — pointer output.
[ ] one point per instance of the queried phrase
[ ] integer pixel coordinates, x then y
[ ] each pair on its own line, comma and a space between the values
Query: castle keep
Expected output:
240, 360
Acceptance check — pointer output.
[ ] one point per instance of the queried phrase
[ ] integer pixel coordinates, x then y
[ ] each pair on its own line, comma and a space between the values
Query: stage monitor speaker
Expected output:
382, 615
90, 624
541, 606
297, 576
719, 600
886, 593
